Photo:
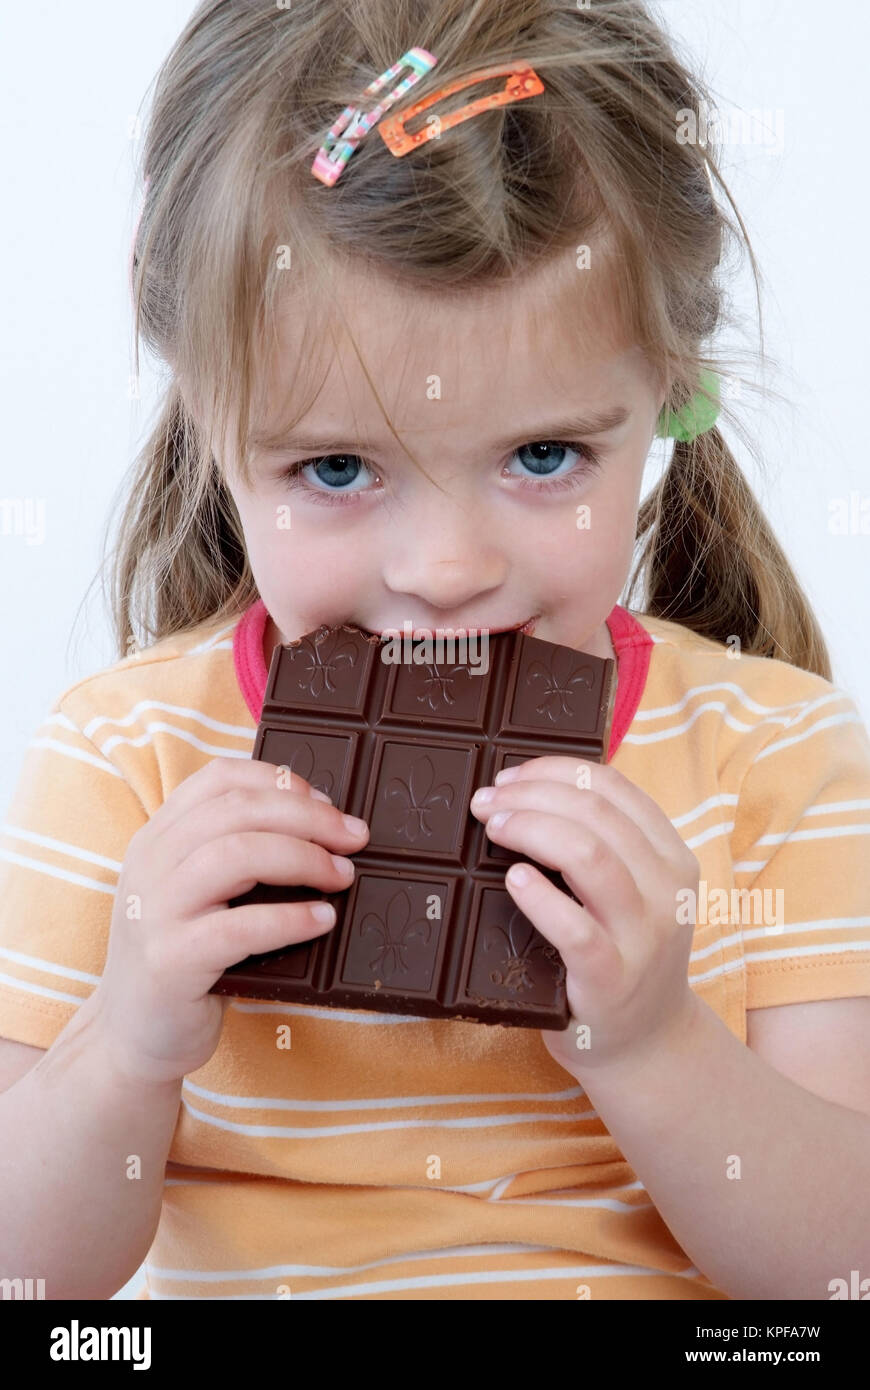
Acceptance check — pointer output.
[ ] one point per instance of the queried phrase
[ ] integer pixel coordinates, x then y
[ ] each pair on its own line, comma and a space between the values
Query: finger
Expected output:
219, 776
221, 939
591, 956
248, 809
605, 779
589, 809
592, 869
223, 869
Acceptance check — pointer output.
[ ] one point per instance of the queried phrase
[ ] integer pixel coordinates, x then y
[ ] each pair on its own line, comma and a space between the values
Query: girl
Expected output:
426, 391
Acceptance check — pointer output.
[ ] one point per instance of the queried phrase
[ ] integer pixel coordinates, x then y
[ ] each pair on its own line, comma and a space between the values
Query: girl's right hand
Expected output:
227, 827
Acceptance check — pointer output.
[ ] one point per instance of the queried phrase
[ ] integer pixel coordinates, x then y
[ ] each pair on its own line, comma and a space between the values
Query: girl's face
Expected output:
523, 523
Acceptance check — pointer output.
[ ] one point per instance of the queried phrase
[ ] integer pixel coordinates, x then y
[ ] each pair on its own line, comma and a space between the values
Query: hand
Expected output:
625, 953
231, 824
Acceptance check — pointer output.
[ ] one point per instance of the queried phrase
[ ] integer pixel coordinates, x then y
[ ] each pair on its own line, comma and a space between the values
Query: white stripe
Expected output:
365, 1017
739, 726
662, 710
681, 728
828, 833
44, 993
835, 948
498, 1186
284, 1271
809, 950
48, 967
830, 808
62, 721
332, 1131
79, 753
157, 726
799, 738
216, 640
726, 799
429, 1281
379, 1102
237, 730
636, 1186
74, 851
751, 933
825, 809
604, 1203
54, 872
723, 828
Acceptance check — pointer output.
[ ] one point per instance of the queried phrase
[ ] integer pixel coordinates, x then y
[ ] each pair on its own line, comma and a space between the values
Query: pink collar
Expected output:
631, 642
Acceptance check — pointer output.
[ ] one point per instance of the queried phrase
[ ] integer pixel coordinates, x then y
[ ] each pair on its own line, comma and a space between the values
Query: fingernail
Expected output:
507, 774
323, 912
497, 821
343, 865
518, 874
321, 796
355, 825
482, 796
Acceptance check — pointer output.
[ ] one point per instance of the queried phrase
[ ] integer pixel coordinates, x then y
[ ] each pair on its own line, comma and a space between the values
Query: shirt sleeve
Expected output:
66, 832
802, 838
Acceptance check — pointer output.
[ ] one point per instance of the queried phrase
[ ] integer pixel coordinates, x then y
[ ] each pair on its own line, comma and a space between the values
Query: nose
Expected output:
447, 561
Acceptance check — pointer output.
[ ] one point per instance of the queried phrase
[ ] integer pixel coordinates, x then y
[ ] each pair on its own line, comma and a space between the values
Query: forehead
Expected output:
554, 332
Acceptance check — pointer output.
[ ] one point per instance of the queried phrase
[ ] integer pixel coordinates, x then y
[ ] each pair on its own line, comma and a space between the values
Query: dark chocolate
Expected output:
427, 926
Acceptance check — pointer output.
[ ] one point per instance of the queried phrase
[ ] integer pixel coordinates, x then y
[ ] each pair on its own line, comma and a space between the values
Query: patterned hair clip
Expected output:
333, 155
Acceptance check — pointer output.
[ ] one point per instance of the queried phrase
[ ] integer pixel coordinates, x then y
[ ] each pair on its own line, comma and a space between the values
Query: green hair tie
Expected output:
696, 417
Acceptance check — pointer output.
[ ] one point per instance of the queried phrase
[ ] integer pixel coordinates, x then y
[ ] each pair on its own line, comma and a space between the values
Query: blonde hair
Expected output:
239, 111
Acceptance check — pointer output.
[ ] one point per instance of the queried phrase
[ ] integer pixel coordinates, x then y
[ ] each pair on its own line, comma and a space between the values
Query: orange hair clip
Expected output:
522, 83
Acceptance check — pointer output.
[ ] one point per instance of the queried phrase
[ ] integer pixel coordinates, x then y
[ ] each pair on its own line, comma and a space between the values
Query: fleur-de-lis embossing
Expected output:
395, 933
518, 948
437, 684
418, 796
562, 679
303, 762
324, 658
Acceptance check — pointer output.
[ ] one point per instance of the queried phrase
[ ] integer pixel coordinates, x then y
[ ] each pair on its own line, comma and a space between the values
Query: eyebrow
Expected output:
600, 423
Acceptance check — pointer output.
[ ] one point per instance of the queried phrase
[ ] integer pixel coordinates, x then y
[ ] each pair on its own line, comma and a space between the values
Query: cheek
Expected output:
293, 554
606, 535
592, 536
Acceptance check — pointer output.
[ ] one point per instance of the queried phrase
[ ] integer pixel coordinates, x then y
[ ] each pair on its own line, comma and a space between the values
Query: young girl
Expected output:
426, 391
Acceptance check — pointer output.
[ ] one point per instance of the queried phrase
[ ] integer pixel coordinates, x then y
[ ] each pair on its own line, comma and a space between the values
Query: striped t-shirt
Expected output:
380, 1156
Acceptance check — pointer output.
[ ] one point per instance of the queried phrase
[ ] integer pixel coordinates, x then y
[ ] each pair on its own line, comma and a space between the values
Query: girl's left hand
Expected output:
625, 953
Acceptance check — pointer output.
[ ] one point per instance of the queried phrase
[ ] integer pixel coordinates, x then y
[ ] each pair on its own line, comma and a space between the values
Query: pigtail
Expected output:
189, 562
710, 561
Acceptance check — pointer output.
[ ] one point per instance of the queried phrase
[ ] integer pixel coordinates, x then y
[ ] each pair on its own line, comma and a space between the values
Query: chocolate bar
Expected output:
427, 927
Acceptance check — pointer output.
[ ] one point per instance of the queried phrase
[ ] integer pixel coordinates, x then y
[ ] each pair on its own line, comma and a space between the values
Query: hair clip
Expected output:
333, 155
697, 416
522, 83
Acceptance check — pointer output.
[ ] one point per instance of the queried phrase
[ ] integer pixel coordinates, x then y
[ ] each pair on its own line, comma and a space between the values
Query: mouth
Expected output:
528, 627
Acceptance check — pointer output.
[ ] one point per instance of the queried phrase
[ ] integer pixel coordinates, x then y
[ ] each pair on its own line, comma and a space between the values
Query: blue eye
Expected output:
547, 466
339, 478
336, 474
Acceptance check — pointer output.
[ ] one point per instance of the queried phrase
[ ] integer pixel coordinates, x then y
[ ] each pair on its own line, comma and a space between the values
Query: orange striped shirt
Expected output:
385, 1156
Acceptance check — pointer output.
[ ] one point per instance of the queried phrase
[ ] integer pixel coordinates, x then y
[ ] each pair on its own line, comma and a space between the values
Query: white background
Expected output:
74, 80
